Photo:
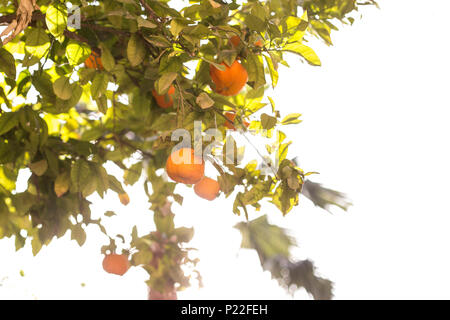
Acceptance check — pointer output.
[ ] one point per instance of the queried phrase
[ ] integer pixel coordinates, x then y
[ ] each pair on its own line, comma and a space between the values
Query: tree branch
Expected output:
152, 14
20, 20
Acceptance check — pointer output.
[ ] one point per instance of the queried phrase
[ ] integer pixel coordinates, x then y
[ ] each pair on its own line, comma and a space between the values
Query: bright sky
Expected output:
375, 126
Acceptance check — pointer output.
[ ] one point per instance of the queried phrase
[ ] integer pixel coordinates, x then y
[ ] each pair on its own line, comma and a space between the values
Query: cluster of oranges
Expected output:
227, 82
184, 166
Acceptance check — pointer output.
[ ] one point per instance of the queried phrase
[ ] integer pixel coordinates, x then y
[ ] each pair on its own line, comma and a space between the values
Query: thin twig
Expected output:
152, 14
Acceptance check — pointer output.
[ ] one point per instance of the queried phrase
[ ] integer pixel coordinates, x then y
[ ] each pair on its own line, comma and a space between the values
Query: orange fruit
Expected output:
231, 116
94, 61
259, 43
235, 41
164, 100
116, 264
230, 81
207, 188
185, 167
124, 198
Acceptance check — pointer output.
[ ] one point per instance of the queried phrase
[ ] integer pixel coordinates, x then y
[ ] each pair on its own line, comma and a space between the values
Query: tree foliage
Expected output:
65, 120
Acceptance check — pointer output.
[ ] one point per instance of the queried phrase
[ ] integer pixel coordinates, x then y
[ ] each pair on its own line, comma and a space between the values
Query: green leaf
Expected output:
145, 23
272, 71
102, 180
268, 122
132, 175
176, 26
115, 185
136, 50
184, 234
36, 245
62, 184
110, 213
89, 187
39, 167
323, 30
56, 19
158, 41
7, 63
102, 104
23, 82
255, 23
4, 98
77, 53
63, 88
37, 43
217, 65
80, 175
227, 56
8, 121
43, 84
78, 234
164, 222
255, 68
267, 239
306, 52
164, 82
19, 242
99, 84
291, 119
107, 58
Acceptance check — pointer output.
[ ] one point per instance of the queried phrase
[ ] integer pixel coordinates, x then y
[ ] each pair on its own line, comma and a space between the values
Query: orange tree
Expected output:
96, 82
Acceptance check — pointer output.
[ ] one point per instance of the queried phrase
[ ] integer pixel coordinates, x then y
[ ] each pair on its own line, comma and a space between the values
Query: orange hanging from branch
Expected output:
185, 167
230, 81
164, 100
235, 41
94, 61
207, 188
116, 264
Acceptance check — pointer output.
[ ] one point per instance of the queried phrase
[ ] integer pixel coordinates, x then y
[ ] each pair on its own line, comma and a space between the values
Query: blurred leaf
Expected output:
39, 167
7, 63
78, 234
62, 88
136, 50
77, 53
324, 197
56, 19
62, 184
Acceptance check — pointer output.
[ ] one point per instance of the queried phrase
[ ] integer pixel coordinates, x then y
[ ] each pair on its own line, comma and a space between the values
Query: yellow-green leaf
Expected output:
56, 19
136, 50
62, 184
62, 88
306, 52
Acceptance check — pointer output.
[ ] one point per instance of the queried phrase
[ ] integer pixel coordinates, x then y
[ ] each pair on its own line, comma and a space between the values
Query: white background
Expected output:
375, 126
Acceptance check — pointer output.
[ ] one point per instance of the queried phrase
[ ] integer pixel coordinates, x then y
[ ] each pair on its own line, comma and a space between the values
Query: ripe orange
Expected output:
124, 198
94, 61
231, 116
165, 100
116, 264
235, 41
230, 81
185, 167
207, 188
